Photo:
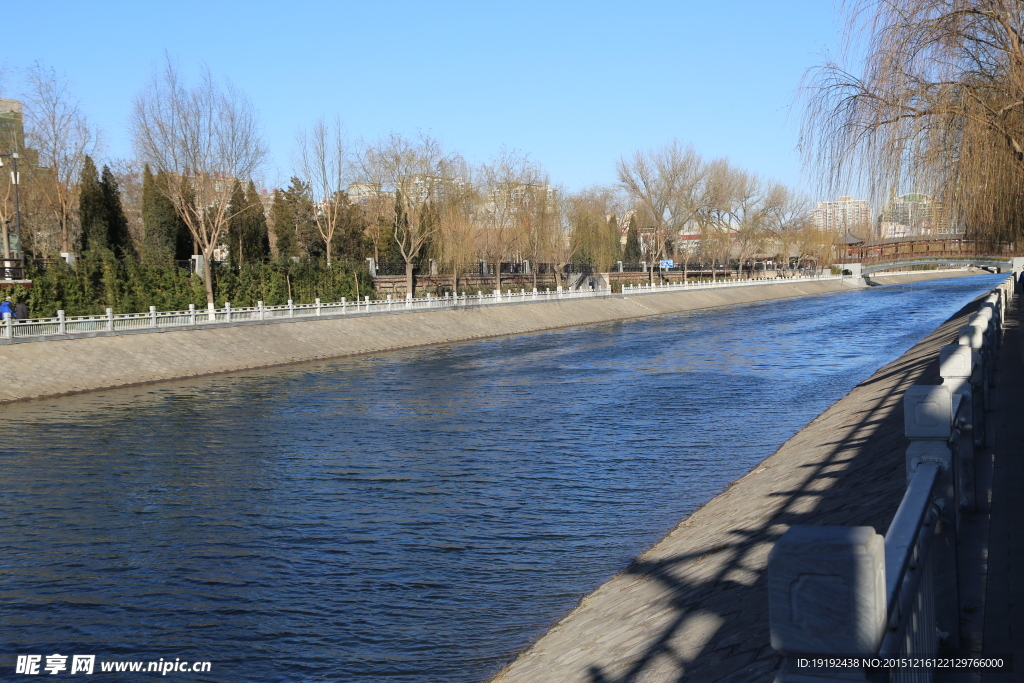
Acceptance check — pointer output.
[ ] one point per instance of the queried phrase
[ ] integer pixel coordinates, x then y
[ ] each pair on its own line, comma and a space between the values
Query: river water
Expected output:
411, 516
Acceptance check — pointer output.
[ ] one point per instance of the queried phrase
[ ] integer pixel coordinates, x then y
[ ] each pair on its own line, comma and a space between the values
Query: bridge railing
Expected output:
64, 327
843, 600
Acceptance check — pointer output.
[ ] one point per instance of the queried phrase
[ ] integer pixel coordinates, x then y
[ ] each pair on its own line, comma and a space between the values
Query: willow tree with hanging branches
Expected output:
936, 104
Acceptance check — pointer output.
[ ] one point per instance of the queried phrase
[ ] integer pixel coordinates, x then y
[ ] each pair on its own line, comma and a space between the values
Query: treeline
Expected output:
400, 200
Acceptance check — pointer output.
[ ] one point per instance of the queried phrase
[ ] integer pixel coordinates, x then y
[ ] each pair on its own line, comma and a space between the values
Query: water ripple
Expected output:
411, 516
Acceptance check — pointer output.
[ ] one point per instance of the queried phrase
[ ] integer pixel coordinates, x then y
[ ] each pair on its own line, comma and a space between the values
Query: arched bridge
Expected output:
874, 257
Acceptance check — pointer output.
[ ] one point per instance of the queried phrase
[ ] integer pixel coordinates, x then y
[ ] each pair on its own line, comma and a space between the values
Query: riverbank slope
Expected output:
54, 368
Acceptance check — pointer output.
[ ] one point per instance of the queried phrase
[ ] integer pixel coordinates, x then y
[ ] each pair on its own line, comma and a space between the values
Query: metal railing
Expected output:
62, 326
846, 594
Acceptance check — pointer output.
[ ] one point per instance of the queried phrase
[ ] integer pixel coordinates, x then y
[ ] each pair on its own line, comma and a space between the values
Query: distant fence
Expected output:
846, 603
68, 327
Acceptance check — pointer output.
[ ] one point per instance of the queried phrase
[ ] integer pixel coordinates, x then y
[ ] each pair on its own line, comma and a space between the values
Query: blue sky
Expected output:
574, 84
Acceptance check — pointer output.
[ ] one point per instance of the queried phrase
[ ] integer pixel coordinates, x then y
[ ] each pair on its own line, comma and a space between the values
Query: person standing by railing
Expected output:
21, 310
6, 310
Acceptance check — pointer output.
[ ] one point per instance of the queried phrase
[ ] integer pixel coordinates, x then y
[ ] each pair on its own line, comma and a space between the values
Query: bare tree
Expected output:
716, 216
787, 217
589, 212
750, 209
204, 138
936, 104
57, 129
420, 176
457, 234
658, 180
322, 160
514, 187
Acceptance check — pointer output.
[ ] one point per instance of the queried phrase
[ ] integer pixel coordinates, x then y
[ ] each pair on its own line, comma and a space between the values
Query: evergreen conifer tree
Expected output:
166, 235
119, 239
256, 220
236, 236
92, 208
294, 226
284, 227
633, 253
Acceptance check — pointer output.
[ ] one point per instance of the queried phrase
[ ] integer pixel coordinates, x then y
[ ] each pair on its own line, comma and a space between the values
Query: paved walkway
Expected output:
695, 607
991, 562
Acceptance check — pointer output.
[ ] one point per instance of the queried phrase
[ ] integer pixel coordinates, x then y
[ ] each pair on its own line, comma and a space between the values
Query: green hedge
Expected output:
99, 280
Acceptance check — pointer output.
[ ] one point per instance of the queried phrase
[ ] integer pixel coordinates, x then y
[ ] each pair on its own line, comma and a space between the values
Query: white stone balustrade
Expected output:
824, 592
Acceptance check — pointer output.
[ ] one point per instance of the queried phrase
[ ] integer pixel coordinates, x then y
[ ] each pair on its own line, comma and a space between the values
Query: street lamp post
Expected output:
15, 180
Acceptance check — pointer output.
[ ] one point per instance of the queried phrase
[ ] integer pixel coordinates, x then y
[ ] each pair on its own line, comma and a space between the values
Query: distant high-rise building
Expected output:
844, 215
12, 128
914, 215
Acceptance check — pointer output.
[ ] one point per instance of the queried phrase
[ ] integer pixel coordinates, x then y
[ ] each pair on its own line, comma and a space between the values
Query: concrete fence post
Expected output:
317, 301
928, 423
191, 314
211, 312
389, 303
291, 308
826, 596
261, 309
152, 316
344, 310
9, 326
227, 311
61, 324
408, 299
110, 320
974, 337
956, 366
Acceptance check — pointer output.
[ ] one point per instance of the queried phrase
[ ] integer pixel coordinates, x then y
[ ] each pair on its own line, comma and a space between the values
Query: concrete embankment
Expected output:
695, 606
54, 368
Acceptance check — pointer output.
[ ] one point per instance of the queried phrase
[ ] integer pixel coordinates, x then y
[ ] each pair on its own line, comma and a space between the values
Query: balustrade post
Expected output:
974, 337
9, 326
826, 597
211, 312
110, 320
928, 423
956, 366
291, 308
261, 309
191, 314
61, 324
344, 310
317, 300
152, 316
227, 311
389, 303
